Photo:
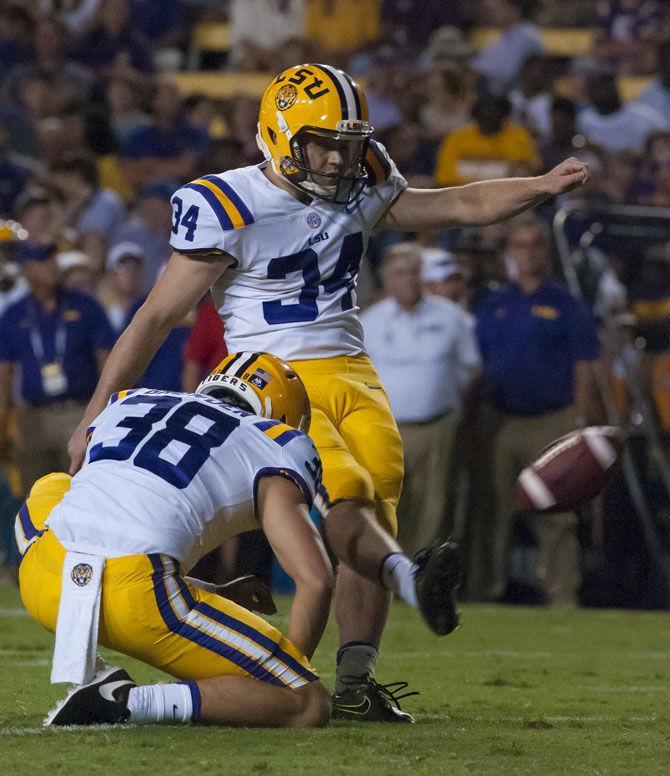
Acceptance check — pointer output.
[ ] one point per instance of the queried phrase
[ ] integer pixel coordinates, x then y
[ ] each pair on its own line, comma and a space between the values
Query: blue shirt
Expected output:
501, 61
104, 213
656, 96
157, 18
167, 366
86, 330
154, 142
529, 345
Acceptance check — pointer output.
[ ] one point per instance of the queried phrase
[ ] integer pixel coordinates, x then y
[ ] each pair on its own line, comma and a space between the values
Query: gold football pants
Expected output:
355, 432
150, 612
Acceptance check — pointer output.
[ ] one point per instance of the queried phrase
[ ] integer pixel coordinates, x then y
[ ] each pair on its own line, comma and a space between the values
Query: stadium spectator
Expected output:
165, 370
94, 213
538, 345
500, 63
167, 148
490, 146
626, 33
532, 98
442, 275
76, 16
12, 285
649, 299
417, 23
448, 101
14, 175
447, 47
58, 339
612, 124
205, 347
163, 22
52, 59
200, 111
149, 226
659, 162
242, 119
42, 215
559, 144
16, 36
328, 23
252, 45
122, 285
78, 271
124, 96
620, 177
425, 353
31, 99
110, 39
382, 91
657, 94
295, 49
414, 155
478, 252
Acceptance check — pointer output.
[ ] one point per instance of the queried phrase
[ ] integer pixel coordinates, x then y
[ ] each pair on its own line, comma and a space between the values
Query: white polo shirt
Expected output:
425, 357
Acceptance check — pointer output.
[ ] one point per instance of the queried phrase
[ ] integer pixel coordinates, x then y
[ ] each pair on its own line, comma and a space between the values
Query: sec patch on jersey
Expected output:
571, 471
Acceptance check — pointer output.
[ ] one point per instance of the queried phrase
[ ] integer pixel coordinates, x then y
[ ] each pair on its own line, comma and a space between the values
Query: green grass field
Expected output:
513, 691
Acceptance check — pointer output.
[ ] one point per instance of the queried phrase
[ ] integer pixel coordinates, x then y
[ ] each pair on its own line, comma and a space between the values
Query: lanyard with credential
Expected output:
54, 381
37, 341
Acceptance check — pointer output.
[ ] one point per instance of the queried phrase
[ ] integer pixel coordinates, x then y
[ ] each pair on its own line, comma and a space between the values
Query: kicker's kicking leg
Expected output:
428, 583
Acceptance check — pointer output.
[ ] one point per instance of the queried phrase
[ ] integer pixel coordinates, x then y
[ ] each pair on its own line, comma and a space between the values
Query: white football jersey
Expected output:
291, 290
177, 474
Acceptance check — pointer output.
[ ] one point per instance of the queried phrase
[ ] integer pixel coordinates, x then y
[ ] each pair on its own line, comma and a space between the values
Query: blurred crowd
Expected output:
96, 134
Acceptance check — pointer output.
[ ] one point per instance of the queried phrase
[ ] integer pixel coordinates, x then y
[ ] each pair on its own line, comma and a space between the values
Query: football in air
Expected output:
572, 471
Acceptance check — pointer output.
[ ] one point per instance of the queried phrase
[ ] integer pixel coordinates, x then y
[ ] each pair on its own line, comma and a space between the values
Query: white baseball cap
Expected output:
72, 259
123, 249
438, 265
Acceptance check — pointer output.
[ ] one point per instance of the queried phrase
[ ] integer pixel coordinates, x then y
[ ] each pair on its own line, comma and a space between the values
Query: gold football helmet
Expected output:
11, 236
260, 383
306, 112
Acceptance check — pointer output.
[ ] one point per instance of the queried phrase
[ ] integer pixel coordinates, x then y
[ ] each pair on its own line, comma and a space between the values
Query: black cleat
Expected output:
104, 701
436, 580
369, 701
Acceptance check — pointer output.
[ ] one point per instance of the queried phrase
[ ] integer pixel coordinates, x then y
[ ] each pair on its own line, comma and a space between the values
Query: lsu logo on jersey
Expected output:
82, 574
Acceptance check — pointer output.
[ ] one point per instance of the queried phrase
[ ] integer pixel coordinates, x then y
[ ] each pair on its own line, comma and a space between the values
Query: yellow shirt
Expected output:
342, 25
466, 155
111, 176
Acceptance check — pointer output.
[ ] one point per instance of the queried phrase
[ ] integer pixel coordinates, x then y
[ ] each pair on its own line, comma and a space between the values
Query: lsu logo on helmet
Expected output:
286, 97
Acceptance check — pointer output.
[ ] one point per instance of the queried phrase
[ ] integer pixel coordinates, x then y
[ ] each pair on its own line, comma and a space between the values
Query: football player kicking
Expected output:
168, 477
280, 245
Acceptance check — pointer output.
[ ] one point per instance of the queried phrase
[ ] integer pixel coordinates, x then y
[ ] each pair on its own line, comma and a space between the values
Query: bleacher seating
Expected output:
560, 42
208, 37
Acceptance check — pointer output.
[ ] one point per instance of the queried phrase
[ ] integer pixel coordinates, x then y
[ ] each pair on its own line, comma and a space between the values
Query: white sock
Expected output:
164, 703
398, 575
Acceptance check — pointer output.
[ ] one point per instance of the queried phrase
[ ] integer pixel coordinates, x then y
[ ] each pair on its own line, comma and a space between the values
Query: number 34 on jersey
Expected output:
294, 266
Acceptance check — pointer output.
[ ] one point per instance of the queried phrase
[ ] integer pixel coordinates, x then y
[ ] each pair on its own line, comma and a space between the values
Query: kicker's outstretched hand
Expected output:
566, 176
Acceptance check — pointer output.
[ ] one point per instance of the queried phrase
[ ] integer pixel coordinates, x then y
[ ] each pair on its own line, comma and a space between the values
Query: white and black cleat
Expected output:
439, 573
104, 701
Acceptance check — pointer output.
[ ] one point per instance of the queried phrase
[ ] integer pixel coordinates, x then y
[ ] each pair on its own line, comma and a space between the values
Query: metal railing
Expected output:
579, 227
